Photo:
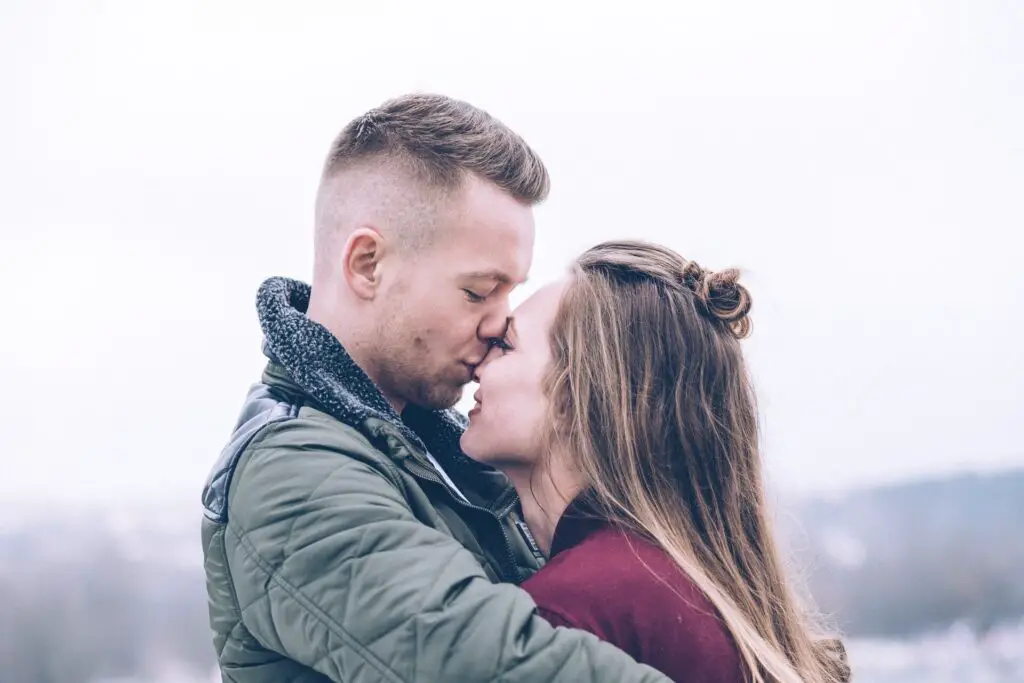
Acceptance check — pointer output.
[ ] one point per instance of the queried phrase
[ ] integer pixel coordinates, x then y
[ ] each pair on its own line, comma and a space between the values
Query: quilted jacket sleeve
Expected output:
332, 570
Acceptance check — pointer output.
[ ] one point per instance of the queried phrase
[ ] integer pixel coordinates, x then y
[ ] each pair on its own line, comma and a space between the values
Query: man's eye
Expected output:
473, 296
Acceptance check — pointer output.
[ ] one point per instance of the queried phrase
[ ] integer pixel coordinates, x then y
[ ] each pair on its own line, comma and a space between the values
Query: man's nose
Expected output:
493, 324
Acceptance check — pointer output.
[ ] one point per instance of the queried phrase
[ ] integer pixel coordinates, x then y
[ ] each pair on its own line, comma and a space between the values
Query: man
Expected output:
346, 537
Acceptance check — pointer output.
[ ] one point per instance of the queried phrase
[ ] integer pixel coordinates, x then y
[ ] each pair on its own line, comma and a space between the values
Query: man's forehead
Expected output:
494, 253
490, 234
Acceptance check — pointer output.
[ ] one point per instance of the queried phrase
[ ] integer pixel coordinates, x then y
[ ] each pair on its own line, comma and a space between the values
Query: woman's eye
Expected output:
473, 296
502, 345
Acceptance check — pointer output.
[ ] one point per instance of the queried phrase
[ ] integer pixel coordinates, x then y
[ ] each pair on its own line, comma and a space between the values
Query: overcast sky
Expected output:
863, 163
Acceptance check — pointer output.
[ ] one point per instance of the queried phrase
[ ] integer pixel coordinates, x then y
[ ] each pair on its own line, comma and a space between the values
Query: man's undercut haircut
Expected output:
441, 139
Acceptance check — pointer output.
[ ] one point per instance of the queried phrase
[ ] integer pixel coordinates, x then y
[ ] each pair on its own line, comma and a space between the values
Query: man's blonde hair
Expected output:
442, 138
428, 144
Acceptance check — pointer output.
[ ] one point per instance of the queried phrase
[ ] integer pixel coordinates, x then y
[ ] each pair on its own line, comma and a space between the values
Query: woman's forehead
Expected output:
538, 311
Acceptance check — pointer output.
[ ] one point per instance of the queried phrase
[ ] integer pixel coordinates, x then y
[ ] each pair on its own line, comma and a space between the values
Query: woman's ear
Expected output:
361, 259
561, 403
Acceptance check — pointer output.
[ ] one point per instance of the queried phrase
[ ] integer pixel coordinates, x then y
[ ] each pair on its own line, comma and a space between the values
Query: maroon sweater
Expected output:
627, 591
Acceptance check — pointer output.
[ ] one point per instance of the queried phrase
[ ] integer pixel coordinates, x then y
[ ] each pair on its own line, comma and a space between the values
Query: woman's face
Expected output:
506, 424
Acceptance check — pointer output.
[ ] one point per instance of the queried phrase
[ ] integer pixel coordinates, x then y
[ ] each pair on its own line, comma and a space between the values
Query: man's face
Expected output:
447, 303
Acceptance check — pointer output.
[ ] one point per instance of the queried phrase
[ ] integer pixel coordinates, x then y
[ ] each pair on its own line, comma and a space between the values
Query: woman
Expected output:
619, 406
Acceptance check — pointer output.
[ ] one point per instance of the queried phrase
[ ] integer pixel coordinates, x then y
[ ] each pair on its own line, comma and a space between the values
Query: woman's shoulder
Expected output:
615, 561
629, 592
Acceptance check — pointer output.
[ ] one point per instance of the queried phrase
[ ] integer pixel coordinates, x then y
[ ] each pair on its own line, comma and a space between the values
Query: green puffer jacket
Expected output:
334, 551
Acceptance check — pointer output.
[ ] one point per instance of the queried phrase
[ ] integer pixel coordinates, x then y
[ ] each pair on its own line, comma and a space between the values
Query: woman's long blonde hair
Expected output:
651, 397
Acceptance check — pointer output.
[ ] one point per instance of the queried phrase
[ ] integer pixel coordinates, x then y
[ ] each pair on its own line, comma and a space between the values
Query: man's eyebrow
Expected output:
510, 326
493, 274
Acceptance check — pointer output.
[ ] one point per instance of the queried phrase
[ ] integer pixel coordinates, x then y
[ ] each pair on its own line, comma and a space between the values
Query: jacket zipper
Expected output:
416, 468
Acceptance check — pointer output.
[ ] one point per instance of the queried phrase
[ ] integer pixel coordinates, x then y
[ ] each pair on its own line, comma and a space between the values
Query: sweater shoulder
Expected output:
629, 592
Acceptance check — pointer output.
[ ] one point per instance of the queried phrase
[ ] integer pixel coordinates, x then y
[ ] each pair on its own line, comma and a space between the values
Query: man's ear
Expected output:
361, 259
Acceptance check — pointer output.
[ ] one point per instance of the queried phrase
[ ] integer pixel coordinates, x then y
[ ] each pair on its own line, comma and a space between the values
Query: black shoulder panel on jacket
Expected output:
262, 407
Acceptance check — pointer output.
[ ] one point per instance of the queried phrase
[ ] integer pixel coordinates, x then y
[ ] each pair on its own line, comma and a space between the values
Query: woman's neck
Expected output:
544, 493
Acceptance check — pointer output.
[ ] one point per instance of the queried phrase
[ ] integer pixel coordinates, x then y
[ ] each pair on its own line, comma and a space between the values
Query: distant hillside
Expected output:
913, 557
120, 591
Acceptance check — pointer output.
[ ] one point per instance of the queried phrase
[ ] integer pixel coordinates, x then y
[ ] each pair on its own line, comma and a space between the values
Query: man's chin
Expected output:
439, 397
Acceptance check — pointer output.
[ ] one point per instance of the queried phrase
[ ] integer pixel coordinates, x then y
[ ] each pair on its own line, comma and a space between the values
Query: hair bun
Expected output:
721, 296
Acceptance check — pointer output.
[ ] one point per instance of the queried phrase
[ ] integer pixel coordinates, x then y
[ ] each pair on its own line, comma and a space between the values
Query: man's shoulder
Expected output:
313, 434
273, 427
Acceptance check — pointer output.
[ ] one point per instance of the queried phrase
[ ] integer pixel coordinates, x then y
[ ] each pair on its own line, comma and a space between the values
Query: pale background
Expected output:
863, 162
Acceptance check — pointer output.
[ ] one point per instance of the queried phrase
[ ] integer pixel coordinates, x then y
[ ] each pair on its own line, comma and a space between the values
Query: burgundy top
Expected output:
627, 591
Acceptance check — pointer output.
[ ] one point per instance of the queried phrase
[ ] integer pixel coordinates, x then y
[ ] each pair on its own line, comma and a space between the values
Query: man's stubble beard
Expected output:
401, 377
401, 370
434, 395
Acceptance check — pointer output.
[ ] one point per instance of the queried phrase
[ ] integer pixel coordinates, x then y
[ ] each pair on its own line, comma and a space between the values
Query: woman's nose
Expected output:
478, 370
